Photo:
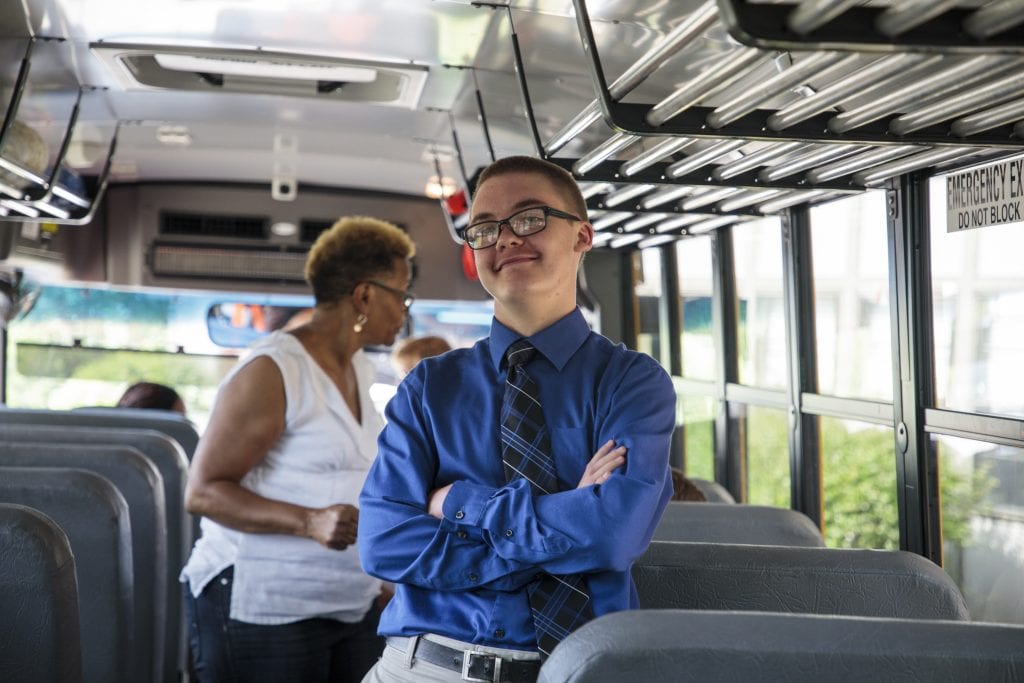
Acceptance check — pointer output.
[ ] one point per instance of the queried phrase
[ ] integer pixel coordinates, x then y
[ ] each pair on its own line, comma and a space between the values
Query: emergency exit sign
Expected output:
990, 195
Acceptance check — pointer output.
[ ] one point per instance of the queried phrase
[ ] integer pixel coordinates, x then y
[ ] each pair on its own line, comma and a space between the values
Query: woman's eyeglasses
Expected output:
407, 298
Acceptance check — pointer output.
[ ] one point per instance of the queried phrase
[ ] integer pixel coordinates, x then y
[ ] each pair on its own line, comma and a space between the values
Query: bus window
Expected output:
851, 297
648, 289
695, 288
757, 248
982, 488
767, 449
859, 485
697, 417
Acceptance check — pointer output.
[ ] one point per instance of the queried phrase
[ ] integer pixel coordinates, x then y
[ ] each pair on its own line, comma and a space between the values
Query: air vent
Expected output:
175, 67
181, 260
310, 229
213, 225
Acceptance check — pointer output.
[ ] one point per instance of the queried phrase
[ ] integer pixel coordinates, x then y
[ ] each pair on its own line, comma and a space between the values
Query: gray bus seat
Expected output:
94, 515
170, 460
39, 627
731, 523
869, 583
666, 646
170, 423
713, 491
142, 487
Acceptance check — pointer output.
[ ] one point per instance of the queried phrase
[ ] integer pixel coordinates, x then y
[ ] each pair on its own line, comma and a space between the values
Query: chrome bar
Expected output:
874, 155
69, 196
812, 14
755, 159
607, 149
602, 237
21, 172
651, 156
731, 68
624, 240
819, 155
679, 222
611, 218
748, 198
577, 125
995, 17
681, 36
936, 83
666, 196
704, 157
708, 197
869, 75
644, 221
912, 163
969, 100
46, 207
997, 116
624, 195
909, 14
655, 241
19, 208
588, 190
712, 223
774, 86
791, 199
698, 21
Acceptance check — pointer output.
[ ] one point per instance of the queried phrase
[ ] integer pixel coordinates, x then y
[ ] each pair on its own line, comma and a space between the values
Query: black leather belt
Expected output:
474, 666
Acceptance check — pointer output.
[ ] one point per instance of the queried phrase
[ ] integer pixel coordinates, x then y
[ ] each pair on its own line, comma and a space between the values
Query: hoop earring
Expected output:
360, 321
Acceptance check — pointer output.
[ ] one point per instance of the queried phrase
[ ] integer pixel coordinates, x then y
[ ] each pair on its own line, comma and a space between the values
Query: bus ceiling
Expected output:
676, 118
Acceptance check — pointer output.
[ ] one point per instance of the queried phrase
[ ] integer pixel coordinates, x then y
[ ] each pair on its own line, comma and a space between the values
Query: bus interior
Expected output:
808, 211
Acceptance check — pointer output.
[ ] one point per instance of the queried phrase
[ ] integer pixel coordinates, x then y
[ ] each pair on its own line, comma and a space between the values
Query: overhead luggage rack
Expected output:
771, 125
37, 185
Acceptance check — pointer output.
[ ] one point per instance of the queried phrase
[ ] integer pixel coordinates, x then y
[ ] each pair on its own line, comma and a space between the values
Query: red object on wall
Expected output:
456, 204
468, 263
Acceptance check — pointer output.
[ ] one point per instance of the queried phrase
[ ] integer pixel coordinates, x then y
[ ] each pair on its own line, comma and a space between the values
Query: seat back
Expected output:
142, 487
170, 461
39, 621
713, 491
730, 523
94, 515
870, 583
666, 646
168, 422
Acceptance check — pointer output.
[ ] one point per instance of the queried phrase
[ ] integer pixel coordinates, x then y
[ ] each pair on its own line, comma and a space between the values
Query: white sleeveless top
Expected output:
321, 459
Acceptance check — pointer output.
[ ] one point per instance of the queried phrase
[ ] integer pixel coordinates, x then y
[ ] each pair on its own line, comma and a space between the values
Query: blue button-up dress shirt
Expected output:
465, 576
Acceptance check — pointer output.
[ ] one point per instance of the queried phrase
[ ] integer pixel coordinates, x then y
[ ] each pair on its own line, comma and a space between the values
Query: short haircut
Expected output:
415, 349
149, 395
354, 250
563, 181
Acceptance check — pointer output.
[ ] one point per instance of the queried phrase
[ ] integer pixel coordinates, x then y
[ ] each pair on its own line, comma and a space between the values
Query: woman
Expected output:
274, 589
152, 396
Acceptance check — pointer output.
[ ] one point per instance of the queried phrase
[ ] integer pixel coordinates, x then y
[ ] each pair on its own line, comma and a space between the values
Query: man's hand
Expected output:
608, 458
435, 505
333, 527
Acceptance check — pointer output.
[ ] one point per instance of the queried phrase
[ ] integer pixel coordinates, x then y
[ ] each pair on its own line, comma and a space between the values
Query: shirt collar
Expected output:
557, 342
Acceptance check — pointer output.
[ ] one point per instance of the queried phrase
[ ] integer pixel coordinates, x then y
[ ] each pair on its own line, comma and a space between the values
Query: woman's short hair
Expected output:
414, 349
558, 176
353, 250
149, 395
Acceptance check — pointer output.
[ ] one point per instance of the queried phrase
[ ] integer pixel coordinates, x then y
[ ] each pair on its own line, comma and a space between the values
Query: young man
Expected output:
510, 495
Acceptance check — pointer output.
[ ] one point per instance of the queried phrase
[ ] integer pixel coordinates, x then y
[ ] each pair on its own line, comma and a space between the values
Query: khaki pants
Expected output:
396, 666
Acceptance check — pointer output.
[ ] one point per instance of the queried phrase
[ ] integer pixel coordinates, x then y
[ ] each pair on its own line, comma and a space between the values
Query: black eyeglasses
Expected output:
522, 223
407, 297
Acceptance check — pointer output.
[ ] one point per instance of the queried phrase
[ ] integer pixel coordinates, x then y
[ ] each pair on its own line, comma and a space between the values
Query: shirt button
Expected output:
462, 534
473, 577
508, 532
460, 514
499, 633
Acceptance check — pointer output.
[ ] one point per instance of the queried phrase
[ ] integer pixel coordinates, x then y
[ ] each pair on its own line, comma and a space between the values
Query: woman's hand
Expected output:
608, 458
333, 527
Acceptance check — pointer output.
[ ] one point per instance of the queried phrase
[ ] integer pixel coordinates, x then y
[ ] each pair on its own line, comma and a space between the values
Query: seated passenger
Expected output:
684, 489
151, 395
414, 349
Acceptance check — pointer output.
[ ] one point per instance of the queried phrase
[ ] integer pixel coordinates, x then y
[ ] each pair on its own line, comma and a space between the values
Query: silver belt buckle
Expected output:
467, 659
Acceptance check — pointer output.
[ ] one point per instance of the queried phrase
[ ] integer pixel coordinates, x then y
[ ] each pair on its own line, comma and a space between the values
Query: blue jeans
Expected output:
311, 651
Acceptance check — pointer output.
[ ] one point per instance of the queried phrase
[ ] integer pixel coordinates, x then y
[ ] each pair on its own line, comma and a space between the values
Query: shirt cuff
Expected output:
465, 502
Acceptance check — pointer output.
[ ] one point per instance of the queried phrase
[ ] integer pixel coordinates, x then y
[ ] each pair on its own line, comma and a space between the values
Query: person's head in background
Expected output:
414, 349
359, 271
151, 395
684, 489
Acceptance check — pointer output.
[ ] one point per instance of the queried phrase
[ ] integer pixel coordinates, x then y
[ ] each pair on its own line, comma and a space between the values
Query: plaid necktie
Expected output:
559, 604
